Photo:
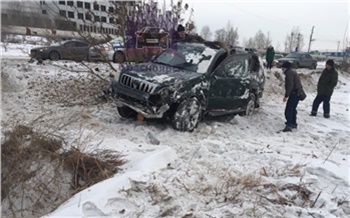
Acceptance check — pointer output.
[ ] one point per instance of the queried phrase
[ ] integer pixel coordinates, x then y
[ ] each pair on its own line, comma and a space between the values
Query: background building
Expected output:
88, 15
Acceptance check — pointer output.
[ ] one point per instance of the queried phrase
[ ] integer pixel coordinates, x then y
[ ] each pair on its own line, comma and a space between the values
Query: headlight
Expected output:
109, 48
42, 49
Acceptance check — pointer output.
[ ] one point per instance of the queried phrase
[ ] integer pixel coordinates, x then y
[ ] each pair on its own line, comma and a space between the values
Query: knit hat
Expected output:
286, 64
180, 28
330, 63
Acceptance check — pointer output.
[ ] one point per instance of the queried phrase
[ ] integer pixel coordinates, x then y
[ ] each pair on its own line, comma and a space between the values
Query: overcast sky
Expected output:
330, 19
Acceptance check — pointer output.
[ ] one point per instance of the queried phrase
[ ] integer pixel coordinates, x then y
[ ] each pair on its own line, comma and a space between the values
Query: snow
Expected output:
227, 167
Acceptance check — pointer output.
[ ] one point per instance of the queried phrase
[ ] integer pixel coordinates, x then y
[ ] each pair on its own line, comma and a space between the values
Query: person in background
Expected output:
111, 91
292, 84
270, 56
181, 36
325, 86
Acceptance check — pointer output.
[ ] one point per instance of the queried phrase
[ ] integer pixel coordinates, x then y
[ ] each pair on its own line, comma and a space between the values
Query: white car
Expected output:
107, 51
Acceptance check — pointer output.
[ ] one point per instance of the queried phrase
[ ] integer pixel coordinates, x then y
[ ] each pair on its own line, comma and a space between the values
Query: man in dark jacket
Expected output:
181, 36
326, 84
292, 84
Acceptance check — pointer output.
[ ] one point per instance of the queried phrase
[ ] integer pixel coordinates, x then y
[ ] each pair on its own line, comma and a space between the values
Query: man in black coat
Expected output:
292, 85
326, 84
181, 36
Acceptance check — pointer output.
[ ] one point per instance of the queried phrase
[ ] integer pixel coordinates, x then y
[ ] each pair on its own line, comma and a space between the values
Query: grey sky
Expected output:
330, 19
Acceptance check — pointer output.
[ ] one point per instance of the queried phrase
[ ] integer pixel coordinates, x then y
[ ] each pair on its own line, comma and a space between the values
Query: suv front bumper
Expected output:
139, 102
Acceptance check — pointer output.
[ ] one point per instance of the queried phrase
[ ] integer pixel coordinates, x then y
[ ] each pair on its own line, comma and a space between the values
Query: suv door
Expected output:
229, 85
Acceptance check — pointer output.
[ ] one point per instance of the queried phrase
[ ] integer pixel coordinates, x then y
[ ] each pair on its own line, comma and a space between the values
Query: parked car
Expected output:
341, 64
190, 80
107, 51
68, 49
299, 60
141, 47
275, 61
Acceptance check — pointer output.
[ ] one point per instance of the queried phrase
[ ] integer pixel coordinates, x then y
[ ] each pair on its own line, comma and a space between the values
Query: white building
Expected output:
85, 15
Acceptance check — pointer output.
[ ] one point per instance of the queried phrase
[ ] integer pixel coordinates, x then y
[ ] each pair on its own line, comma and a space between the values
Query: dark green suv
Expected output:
190, 80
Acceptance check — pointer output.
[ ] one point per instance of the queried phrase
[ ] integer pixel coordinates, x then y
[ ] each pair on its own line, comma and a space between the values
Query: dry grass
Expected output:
38, 174
88, 169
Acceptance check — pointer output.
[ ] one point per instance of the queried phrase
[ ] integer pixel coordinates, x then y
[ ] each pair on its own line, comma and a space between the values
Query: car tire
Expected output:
249, 110
187, 115
126, 112
314, 66
119, 57
54, 56
296, 65
257, 101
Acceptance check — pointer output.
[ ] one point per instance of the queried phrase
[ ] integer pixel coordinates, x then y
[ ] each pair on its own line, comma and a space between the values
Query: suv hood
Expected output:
159, 74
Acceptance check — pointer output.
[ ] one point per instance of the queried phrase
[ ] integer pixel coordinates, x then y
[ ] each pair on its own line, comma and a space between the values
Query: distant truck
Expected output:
146, 43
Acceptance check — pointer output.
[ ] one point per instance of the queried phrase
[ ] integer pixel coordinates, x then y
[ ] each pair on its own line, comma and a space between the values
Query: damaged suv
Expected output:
190, 80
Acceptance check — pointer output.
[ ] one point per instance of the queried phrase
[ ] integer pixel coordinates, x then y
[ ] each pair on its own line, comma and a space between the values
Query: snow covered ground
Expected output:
228, 167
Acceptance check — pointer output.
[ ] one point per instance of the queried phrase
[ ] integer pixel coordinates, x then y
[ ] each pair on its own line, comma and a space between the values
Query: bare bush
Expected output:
39, 174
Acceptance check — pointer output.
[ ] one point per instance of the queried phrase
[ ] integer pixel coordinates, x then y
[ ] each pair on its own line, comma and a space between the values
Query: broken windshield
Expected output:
192, 57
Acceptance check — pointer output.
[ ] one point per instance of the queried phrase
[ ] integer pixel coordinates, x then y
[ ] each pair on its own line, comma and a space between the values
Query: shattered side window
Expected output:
236, 68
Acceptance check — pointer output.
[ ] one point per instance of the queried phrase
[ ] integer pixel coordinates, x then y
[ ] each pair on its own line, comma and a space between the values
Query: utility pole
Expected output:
338, 46
311, 39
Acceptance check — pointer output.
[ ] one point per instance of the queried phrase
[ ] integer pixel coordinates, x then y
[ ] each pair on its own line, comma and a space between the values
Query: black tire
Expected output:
119, 57
257, 101
54, 56
296, 65
187, 115
314, 66
126, 112
250, 106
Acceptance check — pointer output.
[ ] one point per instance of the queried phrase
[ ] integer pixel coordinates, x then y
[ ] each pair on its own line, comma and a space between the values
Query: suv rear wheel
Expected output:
187, 115
250, 106
126, 112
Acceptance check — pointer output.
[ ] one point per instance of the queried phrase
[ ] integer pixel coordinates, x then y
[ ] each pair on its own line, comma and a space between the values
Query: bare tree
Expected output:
250, 43
220, 34
206, 33
260, 40
268, 39
294, 40
229, 35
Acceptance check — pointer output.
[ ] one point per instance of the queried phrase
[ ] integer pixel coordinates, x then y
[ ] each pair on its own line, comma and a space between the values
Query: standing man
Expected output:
292, 85
326, 84
270, 56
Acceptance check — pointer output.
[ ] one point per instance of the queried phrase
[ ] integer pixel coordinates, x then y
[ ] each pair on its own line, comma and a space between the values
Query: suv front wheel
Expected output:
126, 112
187, 115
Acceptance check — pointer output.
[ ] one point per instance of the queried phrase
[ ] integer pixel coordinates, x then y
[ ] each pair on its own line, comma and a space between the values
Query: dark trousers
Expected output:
269, 64
326, 106
291, 110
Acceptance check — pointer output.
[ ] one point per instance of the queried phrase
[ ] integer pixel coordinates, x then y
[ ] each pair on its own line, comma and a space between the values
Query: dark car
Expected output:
69, 49
299, 60
190, 80
341, 64
275, 61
